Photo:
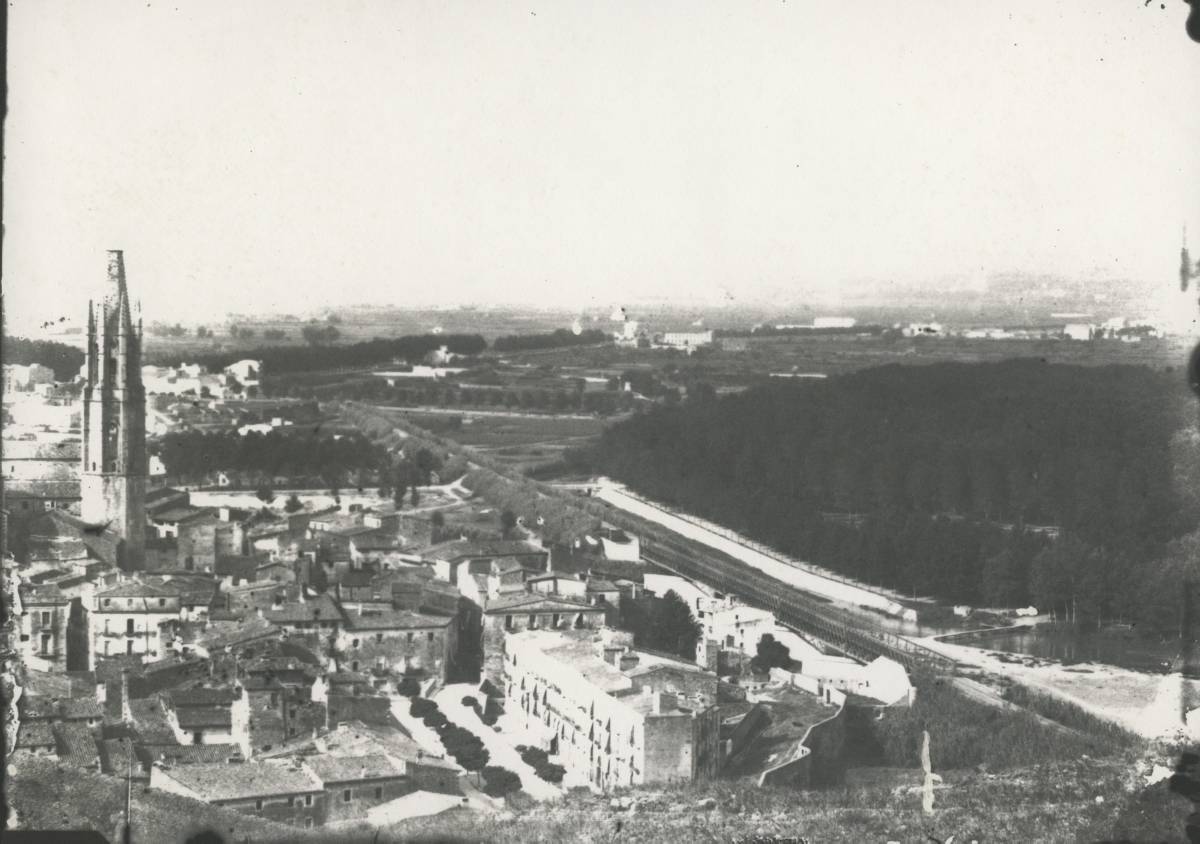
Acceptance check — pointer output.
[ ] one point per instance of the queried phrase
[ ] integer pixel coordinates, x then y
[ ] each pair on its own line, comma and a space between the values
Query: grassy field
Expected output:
519, 442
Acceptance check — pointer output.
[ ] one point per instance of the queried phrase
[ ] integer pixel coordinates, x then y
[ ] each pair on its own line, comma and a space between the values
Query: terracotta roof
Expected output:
135, 589
115, 757
150, 720
459, 548
394, 620
598, 585
44, 593
320, 608
215, 783
190, 754
339, 769
80, 709
196, 717
76, 745
35, 734
180, 514
203, 697
230, 635
537, 603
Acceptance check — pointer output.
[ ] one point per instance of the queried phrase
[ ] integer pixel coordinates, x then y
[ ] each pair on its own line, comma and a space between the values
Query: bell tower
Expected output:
113, 477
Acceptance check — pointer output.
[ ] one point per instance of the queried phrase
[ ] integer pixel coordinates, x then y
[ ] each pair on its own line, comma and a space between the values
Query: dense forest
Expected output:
988, 484
282, 359
66, 361
552, 340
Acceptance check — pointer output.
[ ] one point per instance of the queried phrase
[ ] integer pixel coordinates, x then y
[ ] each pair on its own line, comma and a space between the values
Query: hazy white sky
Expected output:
289, 154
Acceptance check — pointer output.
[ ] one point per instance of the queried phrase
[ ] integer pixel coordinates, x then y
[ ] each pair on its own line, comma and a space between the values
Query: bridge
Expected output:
791, 606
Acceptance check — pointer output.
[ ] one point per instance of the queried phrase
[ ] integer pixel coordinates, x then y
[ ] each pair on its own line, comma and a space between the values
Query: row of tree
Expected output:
319, 354
441, 394
193, 456
66, 361
947, 479
561, 338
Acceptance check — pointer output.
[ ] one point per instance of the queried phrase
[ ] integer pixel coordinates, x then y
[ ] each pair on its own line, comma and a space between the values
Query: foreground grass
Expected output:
1052, 802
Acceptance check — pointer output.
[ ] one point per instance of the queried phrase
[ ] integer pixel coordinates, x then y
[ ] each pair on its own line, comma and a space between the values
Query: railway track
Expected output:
791, 606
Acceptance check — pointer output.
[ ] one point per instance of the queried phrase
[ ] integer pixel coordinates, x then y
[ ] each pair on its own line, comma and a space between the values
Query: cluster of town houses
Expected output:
254, 658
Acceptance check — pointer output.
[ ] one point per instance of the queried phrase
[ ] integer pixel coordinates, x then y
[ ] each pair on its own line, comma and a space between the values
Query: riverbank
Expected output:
1150, 705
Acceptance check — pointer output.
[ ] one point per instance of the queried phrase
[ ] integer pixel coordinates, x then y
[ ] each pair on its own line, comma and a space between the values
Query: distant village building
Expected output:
688, 341
834, 322
1078, 331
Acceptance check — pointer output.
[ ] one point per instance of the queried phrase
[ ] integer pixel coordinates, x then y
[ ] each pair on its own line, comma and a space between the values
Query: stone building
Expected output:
126, 619
113, 465
397, 642
587, 696
282, 792
44, 624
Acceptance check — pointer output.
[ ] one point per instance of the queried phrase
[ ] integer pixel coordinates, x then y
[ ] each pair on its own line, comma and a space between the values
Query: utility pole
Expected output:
128, 838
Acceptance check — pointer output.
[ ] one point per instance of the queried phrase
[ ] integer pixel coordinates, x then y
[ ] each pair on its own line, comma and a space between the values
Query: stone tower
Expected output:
113, 479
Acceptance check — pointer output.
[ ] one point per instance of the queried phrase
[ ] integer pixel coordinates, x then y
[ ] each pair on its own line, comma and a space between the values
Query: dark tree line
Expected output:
449, 395
552, 340
66, 361
194, 455
941, 479
284, 359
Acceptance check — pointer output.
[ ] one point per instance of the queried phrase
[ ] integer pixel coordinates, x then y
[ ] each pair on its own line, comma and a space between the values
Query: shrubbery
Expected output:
539, 760
499, 782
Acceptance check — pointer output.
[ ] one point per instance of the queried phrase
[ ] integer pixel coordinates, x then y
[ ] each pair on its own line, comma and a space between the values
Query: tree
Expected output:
770, 654
508, 521
499, 782
673, 628
293, 504
264, 494
317, 578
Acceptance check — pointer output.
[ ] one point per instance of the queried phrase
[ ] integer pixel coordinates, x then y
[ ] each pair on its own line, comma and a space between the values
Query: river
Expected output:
1113, 646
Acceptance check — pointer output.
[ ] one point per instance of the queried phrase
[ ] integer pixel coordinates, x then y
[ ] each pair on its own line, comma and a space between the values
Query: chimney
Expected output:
627, 661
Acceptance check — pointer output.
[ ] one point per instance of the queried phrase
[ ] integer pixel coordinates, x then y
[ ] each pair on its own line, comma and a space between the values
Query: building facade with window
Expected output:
279, 791
582, 693
45, 612
396, 642
126, 619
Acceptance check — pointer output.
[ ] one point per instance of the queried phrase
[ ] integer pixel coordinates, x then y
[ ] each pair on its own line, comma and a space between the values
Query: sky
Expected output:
284, 156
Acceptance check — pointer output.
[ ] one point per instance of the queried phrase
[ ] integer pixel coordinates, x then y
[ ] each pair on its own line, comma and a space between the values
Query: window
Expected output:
108, 602
430, 634
308, 822
410, 637
162, 602
378, 792
291, 801
129, 646
346, 796
129, 627
308, 800
46, 643
354, 643
378, 637
258, 804
354, 665
45, 618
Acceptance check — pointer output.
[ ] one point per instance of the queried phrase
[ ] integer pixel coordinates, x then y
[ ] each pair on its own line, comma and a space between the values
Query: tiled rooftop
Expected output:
337, 769
245, 781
